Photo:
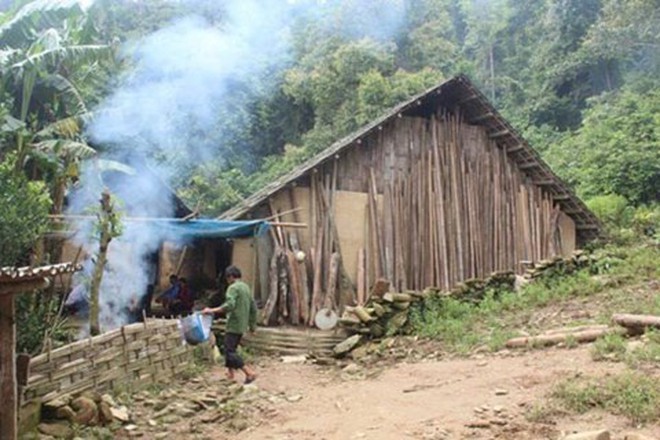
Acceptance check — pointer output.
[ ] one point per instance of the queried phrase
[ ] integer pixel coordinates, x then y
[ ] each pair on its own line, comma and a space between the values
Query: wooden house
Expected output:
439, 190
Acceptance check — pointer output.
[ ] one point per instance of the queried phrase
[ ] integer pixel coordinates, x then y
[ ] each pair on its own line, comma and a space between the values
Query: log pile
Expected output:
385, 313
300, 283
559, 265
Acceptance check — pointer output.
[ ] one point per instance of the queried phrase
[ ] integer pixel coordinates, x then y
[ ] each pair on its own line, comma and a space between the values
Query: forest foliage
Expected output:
578, 78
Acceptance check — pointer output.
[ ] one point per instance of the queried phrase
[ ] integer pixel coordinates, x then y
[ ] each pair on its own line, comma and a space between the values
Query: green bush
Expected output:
612, 209
24, 212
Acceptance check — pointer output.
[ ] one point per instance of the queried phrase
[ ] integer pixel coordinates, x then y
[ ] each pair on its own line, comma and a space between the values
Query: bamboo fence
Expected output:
142, 352
290, 341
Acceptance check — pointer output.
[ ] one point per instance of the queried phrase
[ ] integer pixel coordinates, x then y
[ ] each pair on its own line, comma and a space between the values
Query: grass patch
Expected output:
461, 326
632, 395
611, 347
648, 353
464, 325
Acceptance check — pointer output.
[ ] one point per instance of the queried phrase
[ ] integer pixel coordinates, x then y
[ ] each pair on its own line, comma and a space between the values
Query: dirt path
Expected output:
434, 400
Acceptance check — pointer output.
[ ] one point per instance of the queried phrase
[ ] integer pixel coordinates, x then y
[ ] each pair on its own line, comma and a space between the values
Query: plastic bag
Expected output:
196, 328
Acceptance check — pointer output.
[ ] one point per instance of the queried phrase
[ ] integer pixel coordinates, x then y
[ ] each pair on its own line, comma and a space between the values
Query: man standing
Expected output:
241, 316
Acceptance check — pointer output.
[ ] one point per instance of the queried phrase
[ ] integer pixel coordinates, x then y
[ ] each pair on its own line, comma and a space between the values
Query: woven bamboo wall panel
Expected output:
145, 351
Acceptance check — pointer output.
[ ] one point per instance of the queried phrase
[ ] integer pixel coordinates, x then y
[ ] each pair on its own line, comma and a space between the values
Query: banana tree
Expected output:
42, 53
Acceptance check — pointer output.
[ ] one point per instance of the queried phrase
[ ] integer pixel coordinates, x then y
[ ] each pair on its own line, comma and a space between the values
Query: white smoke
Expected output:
170, 110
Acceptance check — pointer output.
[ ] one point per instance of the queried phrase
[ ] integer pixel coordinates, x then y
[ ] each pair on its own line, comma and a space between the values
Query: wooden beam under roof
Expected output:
499, 134
529, 165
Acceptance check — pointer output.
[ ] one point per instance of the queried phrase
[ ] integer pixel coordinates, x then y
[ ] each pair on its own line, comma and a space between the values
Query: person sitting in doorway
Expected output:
184, 301
167, 297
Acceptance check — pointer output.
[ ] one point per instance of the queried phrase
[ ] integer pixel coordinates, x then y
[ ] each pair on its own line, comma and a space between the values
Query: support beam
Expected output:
499, 134
527, 166
7, 289
561, 197
481, 118
544, 182
467, 99
515, 149
8, 415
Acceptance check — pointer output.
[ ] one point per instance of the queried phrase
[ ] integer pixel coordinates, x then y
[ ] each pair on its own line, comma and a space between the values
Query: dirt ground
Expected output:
479, 398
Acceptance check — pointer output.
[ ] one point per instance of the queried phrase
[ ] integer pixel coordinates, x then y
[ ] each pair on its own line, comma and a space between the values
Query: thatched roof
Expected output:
454, 94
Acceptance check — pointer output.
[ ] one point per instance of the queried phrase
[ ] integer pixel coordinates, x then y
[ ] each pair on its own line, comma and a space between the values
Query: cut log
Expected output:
381, 286
269, 309
330, 301
636, 323
361, 313
347, 345
557, 338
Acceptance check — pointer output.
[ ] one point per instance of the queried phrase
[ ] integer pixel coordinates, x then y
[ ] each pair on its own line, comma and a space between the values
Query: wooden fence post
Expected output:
8, 415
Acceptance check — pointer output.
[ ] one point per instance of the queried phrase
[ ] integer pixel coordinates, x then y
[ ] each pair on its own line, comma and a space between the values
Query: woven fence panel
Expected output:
148, 351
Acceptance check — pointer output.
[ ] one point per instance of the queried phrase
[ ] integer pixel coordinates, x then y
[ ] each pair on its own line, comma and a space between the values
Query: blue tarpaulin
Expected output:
209, 228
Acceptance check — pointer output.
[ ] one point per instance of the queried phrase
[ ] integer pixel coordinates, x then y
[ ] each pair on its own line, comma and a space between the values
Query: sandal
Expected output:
250, 379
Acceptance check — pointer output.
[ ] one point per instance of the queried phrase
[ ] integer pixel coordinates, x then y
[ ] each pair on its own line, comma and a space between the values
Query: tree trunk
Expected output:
105, 225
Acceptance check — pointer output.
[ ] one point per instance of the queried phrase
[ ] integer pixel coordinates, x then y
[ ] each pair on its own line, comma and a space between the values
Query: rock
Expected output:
209, 401
480, 424
169, 419
482, 363
92, 395
121, 414
500, 422
294, 398
297, 359
105, 413
186, 412
160, 404
590, 435
352, 369
152, 423
501, 392
65, 413
107, 398
161, 435
57, 403
346, 345
86, 411
130, 427
498, 409
238, 424
57, 430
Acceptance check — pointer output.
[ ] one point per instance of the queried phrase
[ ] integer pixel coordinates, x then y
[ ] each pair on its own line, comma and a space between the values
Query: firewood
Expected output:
380, 288
378, 309
401, 297
400, 305
553, 339
636, 322
361, 313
